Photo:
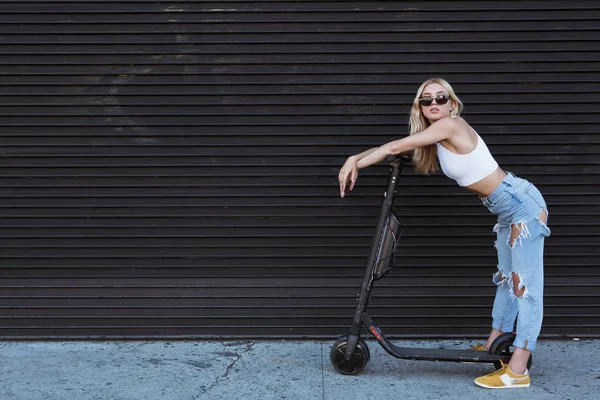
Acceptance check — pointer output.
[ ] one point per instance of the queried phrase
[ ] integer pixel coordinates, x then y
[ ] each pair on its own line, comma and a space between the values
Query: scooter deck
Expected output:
445, 354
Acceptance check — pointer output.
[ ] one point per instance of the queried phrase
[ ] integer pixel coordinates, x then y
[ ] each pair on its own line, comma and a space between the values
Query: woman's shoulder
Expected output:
461, 133
449, 121
455, 124
458, 119
461, 125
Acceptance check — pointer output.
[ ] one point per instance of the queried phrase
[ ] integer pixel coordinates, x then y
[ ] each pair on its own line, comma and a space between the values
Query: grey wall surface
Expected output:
169, 169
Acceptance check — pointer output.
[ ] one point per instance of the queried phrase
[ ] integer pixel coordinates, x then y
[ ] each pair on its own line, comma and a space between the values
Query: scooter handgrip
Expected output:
406, 157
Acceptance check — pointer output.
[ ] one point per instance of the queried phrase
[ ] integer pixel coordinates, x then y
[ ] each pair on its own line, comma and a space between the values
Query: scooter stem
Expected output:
396, 163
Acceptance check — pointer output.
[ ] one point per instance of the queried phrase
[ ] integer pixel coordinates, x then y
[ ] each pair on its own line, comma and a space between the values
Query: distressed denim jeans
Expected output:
518, 202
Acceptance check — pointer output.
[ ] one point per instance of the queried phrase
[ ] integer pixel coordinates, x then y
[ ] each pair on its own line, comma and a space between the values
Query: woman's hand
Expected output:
348, 175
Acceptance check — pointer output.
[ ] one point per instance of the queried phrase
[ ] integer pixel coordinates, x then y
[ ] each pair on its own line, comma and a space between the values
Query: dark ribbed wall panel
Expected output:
168, 169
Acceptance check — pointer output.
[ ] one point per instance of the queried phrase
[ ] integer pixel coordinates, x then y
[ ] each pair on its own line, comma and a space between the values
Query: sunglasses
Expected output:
428, 100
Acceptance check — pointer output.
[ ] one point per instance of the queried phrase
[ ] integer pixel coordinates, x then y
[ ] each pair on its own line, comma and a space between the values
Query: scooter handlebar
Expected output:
406, 157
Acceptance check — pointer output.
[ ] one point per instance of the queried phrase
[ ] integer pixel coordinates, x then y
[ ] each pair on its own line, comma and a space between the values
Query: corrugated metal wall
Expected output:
168, 169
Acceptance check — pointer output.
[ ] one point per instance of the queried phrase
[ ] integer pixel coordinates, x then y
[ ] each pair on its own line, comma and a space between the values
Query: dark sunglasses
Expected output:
428, 100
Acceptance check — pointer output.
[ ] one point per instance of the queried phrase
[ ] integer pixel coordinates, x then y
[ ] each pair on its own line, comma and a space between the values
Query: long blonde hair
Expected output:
424, 159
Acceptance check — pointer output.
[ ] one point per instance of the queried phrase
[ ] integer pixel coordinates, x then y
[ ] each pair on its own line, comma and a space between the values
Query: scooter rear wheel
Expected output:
502, 347
359, 360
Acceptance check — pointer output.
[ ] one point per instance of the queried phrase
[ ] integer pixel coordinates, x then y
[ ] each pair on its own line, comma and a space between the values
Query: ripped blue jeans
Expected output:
517, 202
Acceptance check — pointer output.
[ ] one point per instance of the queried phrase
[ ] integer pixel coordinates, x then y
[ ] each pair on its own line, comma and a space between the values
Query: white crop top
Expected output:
466, 169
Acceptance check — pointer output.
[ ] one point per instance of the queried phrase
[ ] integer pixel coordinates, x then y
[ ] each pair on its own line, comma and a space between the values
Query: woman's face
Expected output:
435, 111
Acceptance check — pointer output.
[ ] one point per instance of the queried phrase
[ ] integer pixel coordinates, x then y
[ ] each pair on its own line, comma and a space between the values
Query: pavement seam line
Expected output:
322, 372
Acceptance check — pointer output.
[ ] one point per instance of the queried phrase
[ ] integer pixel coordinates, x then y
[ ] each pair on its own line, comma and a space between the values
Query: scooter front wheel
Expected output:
358, 361
502, 347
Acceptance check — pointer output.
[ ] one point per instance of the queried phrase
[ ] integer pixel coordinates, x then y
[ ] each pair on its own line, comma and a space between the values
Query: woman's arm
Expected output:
349, 171
365, 153
436, 132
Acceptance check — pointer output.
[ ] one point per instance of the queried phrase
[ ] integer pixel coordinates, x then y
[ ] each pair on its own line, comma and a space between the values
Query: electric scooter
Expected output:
350, 354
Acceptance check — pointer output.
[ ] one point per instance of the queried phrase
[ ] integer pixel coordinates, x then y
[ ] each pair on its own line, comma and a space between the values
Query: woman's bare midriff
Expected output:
487, 185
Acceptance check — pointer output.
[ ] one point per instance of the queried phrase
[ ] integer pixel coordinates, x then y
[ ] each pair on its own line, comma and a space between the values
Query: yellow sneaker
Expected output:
504, 378
478, 346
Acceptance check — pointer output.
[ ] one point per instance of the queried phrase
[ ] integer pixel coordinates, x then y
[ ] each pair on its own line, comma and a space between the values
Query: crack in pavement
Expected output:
235, 357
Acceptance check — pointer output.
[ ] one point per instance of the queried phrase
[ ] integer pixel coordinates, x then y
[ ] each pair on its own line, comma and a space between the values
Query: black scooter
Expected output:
350, 354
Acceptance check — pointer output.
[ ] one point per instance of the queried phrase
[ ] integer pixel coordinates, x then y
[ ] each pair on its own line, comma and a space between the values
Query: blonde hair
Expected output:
424, 159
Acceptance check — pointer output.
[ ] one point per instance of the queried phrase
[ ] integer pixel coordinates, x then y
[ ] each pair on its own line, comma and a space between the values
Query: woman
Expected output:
438, 131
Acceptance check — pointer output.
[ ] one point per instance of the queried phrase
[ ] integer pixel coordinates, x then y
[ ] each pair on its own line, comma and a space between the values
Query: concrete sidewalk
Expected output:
294, 370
